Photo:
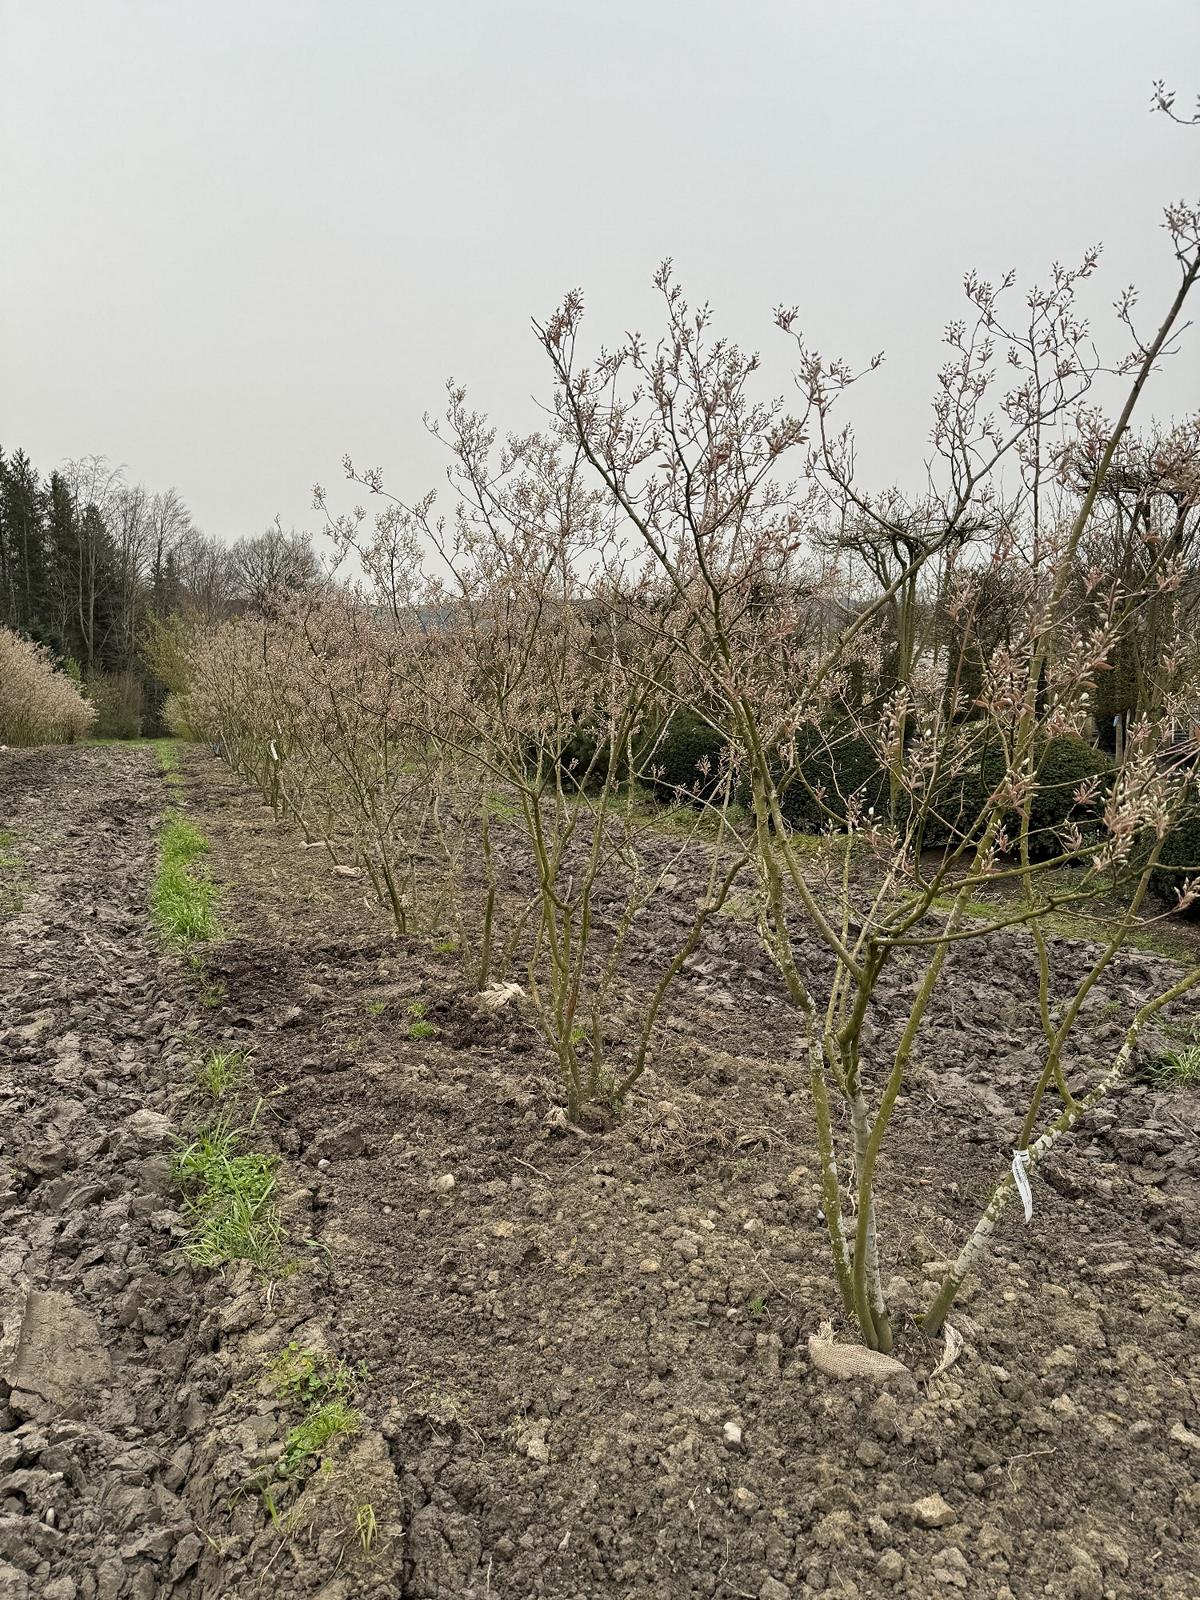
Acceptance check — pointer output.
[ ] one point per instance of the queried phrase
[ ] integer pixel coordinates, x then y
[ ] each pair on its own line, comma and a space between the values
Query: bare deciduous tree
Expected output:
274, 565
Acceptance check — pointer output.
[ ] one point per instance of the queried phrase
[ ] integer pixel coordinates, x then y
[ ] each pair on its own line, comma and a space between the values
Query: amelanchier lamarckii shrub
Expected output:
800, 665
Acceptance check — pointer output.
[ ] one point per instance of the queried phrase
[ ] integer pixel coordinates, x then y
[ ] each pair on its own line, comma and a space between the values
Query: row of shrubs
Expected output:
39, 703
686, 760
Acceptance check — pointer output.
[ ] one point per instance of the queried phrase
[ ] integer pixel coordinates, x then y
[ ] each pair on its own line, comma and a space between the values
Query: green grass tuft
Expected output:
499, 805
366, 1526
311, 1377
419, 1028
325, 1388
128, 744
182, 842
222, 1070
183, 901
1178, 1068
228, 1199
168, 755
309, 1439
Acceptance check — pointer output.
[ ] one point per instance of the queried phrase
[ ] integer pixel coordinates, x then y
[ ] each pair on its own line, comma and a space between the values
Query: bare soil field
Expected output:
581, 1356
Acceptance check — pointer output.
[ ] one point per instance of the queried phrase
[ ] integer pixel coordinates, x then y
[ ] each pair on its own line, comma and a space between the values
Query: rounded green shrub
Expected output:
1179, 860
847, 770
844, 771
585, 756
582, 757
686, 757
1063, 764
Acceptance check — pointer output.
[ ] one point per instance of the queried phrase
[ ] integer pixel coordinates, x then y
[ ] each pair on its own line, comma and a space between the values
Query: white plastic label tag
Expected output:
274, 752
1020, 1172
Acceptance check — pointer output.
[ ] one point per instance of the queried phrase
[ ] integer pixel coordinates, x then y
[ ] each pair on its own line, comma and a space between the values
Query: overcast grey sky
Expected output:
241, 237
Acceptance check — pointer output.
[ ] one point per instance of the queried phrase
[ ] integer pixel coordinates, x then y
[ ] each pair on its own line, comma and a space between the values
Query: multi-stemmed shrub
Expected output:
692, 461
545, 679
320, 707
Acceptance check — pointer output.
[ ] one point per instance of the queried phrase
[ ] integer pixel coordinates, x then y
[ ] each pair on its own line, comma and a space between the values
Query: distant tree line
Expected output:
92, 566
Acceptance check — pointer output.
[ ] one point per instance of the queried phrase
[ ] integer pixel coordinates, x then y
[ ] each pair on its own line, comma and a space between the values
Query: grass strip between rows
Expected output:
229, 1198
10, 868
183, 899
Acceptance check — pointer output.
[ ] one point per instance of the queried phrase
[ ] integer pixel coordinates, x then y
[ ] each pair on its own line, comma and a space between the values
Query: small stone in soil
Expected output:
933, 1512
890, 1566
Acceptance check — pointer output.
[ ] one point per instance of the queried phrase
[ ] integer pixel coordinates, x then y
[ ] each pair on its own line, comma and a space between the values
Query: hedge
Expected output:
847, 768
585, 754
666, 761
